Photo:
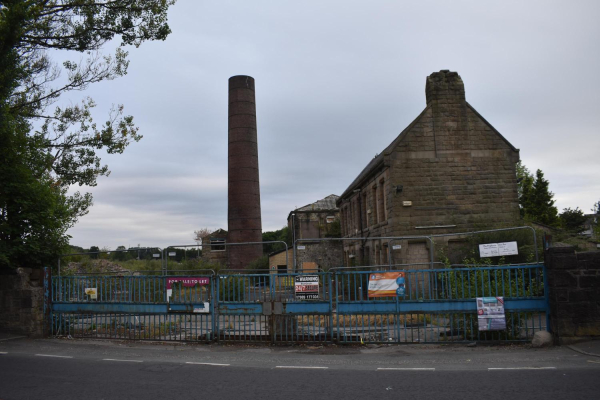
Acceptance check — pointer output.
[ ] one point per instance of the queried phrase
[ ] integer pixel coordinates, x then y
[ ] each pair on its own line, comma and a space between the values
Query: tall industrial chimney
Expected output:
243, 213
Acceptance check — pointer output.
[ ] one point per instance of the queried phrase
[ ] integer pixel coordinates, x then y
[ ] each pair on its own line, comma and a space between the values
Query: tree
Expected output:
573, 220
39, 165
535, 199
596, 219
94, 249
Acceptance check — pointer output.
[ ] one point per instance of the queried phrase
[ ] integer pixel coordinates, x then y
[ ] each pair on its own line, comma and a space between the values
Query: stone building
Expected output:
318, 220
214, 250
449, 171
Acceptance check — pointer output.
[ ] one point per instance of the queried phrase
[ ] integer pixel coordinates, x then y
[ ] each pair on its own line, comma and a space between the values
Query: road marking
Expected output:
405, 369
205, 363
114, 359
300, 367
52, 355
3, 352
512, 368
595, 362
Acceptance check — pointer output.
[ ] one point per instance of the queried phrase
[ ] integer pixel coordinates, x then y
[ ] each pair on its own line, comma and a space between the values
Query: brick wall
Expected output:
574, 283
22, 302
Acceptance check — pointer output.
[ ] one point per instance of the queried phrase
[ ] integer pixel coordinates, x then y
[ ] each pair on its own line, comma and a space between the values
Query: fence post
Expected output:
47, 326
329, 275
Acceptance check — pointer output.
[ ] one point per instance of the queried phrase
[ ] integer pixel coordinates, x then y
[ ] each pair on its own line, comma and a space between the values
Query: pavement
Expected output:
102, 369
588, 347
446, 356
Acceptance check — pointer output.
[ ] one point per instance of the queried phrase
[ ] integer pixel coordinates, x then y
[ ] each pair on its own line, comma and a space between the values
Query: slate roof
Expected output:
328, 203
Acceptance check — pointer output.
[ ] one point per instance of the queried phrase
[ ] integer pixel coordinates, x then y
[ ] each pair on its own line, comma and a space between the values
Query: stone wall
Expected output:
449, 171
22, 301
574, 283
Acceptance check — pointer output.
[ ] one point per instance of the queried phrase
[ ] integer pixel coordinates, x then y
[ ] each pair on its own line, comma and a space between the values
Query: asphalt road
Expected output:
74, 370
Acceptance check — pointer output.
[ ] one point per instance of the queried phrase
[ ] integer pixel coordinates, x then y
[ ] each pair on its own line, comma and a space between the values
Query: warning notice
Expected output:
306, 287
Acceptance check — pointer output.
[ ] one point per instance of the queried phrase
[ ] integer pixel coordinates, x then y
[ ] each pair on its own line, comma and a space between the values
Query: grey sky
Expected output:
336, 82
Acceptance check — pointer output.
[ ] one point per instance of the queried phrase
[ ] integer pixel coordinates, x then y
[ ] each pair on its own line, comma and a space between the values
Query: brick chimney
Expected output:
243, 213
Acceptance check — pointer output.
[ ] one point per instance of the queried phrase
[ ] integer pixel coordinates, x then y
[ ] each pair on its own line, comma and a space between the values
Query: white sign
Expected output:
301, 247
155, 255
396, 247
92, 292
172, 254
307, 287
498, 249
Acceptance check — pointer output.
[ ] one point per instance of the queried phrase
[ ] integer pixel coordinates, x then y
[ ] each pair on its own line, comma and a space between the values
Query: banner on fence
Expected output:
307, 287
498, 249
185, 281
386, 284
490, 314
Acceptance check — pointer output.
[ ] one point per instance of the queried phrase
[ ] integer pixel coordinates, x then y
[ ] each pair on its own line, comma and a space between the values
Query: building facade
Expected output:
318, 220
449, 171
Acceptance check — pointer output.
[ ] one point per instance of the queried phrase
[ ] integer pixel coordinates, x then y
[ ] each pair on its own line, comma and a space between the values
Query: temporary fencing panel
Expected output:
133, 307
268, 307
345, 305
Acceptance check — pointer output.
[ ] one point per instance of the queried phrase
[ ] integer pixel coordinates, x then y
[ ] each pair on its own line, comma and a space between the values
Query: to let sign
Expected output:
307, 287
498, 249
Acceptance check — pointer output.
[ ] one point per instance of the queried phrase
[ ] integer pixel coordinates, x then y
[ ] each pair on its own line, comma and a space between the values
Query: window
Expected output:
365, 223
217, 244
374, 204
282, 269
381, 201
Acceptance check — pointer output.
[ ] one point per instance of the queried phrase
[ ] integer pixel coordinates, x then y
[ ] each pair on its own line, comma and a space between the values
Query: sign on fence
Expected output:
92, 292
386, 284
185, 281
498, 249
307, 287
490, 314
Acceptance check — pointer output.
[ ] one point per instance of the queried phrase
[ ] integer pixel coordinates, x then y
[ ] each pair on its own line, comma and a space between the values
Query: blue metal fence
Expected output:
437, 305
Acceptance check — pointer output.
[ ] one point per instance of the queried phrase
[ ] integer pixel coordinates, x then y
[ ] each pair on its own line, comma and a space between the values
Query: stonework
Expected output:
448, 171
574, 283
318, 220
22, 302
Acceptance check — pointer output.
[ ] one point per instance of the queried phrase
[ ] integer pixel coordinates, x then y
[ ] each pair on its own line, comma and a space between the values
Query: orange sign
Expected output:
386, 284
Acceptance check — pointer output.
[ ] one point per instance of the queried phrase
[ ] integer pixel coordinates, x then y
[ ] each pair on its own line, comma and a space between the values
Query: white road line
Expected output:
52, 355
3, 352
206, 363
114, 359
405, 369
299, 367
513, 368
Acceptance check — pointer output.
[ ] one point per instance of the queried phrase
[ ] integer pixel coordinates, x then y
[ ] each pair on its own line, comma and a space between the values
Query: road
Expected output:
54, 369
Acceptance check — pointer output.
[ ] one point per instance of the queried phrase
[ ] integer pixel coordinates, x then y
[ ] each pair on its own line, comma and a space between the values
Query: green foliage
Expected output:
481, 282
37, 166
284, 234
572, 220
333, 229
596, 219
260, 264
535, 198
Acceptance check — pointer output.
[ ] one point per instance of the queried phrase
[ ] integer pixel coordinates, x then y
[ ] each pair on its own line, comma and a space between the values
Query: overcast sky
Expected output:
336, 82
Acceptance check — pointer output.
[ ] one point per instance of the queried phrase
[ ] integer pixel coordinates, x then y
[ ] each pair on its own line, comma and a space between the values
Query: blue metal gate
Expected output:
438, 305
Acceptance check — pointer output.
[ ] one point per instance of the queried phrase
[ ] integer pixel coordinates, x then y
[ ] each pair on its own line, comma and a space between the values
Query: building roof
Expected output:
327, 203
377, 162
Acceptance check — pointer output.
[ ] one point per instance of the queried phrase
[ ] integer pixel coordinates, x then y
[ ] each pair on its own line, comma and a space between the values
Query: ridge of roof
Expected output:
377, 160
